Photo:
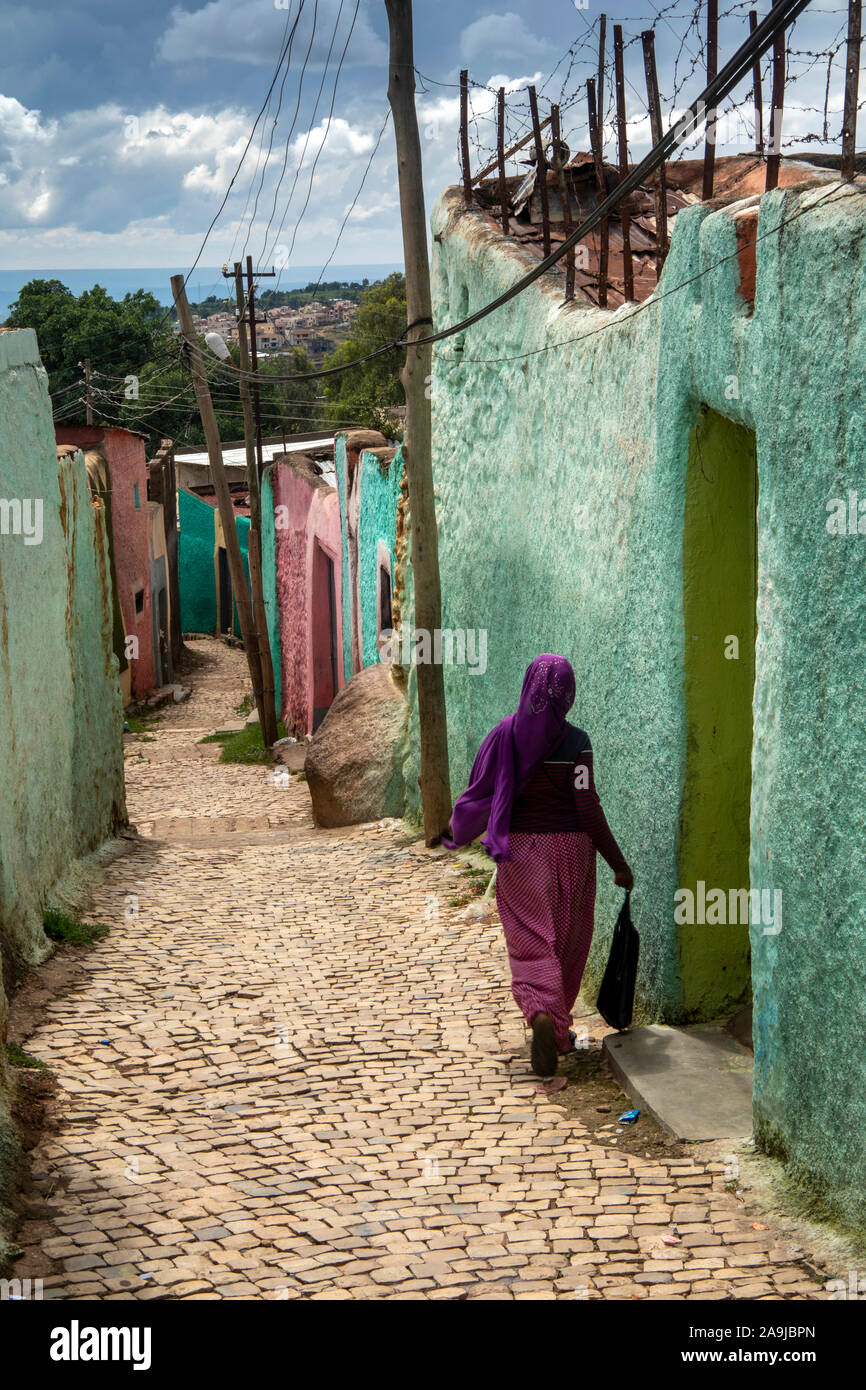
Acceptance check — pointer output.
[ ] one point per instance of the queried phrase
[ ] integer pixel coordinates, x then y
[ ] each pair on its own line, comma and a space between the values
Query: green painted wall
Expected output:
195, 563
561, 492
719, 598
269, 582
61, 776
197, 567
346, 620
243, 528
380, 495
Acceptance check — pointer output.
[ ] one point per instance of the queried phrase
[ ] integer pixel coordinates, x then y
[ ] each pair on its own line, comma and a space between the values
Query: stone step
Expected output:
696, 1082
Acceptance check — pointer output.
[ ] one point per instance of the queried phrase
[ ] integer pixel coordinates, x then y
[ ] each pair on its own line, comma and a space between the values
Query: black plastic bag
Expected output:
616, 996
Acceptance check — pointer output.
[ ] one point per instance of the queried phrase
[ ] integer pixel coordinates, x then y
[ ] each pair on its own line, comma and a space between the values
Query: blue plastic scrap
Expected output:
629, 1117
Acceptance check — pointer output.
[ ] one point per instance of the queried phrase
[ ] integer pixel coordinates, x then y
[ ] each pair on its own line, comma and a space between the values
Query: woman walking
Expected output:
532, 787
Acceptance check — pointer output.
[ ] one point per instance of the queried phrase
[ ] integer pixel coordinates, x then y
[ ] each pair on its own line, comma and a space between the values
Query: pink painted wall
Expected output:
309, 524
127, 465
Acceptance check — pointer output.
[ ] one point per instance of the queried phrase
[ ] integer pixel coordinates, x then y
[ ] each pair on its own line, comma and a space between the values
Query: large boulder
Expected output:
354, 759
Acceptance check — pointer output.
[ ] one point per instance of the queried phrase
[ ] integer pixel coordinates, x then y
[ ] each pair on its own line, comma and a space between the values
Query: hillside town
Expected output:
285, 328
432, 831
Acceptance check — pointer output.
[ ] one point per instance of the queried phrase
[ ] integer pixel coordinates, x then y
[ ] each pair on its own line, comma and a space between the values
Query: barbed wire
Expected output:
685, 20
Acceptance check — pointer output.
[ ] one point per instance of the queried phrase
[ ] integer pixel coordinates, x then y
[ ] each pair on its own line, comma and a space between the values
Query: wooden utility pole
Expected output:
223, 493
434, 780
254, 353
852, 74
712, 70
268, 713
246, 397
88, 397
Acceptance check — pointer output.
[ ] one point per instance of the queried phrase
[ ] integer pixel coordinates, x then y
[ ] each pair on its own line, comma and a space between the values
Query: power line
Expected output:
264, 104
354, 202
291, 132
324, 138
284, 52
274, 123
312, 121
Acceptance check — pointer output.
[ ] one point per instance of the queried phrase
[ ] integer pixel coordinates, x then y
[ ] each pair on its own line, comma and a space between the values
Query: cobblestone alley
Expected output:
290, 1076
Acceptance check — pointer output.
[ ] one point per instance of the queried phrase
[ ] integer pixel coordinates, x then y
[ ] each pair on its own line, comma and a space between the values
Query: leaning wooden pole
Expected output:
435, 784
268, 712
221, 488
852, 74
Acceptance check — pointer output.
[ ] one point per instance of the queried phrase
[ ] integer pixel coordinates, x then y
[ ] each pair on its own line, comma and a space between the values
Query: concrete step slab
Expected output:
696, 1082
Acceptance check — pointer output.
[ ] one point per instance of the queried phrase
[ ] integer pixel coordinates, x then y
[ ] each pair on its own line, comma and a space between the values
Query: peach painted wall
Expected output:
306, 515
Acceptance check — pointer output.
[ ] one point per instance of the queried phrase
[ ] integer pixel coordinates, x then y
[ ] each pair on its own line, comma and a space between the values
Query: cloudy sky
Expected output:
122, 125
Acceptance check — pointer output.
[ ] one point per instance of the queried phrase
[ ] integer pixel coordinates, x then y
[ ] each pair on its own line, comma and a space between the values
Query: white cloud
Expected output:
144, 186
501, 36
221, 32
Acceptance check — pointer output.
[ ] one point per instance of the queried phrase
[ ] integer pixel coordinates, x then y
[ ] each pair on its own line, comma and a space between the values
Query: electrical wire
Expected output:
322, 144
291, 131
274, 122
354, 202
311, 123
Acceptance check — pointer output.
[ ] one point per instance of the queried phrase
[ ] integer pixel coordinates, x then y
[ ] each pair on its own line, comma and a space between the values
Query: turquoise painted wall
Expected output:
61, 776
243, 528
380, 495
269, 582
560, 483
196, 565
340, 466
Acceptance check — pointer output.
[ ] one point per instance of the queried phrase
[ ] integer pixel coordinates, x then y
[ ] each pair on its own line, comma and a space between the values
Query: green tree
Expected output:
367, 395
121, 337
293, 406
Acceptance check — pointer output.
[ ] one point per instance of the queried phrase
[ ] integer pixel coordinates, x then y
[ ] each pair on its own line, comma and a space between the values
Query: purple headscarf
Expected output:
510, 753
